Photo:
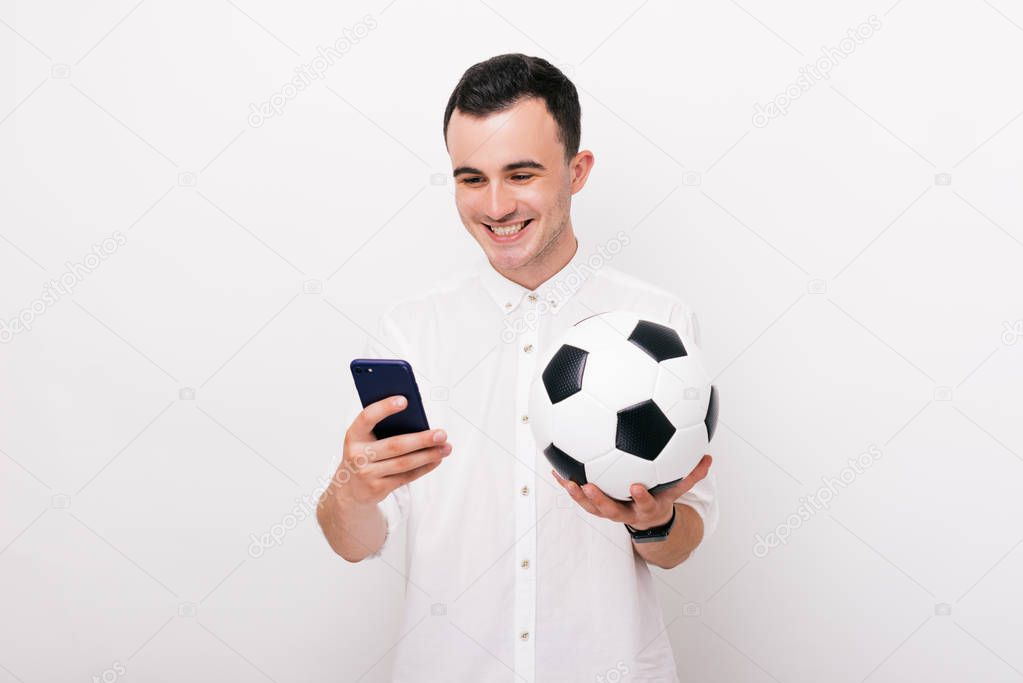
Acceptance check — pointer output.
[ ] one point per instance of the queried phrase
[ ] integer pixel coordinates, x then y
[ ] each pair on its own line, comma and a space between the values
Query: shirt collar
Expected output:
556, 290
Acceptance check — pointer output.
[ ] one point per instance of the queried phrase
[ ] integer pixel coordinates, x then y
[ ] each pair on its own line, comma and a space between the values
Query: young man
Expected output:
512, 573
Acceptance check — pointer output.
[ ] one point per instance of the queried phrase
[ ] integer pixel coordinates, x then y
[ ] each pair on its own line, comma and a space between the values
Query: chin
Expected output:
507, 261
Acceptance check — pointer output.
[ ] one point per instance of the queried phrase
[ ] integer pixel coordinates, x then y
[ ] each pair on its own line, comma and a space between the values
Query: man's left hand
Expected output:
646, 510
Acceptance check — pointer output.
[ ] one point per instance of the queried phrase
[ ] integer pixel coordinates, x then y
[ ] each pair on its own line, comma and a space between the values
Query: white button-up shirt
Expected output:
507, 578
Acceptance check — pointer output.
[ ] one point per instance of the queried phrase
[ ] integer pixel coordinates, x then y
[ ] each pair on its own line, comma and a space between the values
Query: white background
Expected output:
849, 296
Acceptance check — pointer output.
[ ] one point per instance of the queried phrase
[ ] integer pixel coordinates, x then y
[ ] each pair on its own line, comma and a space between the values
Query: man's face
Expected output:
510, 168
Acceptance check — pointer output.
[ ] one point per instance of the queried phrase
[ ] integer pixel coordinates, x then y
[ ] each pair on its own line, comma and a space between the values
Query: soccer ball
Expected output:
623, 399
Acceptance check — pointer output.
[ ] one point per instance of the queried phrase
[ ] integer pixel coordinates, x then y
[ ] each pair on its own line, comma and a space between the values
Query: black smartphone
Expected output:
378, 378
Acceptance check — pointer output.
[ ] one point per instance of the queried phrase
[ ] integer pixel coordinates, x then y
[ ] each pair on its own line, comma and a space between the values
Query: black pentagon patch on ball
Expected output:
657, 341
563, 375
567, 466
711, 420
643, 430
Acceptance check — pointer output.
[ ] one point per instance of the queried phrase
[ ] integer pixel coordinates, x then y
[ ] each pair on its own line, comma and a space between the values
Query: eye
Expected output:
523, 176
469, 181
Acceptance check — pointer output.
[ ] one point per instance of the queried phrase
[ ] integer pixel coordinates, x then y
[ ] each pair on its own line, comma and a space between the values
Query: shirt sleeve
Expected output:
386, 342
703, 496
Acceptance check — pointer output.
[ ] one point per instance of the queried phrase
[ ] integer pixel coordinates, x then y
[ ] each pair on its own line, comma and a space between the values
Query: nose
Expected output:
500, 202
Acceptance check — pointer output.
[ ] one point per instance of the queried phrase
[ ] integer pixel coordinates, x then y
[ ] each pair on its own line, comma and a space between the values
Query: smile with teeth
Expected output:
505, 230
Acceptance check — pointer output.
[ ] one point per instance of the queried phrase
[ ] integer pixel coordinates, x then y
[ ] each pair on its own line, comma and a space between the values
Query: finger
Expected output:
697, 475
362, 426
609, 508
409, 461
645, 504
568, 484
400, 444
405, 477
577, 495
647, 507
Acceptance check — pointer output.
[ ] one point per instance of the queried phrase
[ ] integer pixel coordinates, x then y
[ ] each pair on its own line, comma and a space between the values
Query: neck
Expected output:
549, 261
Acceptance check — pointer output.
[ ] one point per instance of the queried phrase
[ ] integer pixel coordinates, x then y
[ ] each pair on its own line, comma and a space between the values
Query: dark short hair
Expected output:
503, 81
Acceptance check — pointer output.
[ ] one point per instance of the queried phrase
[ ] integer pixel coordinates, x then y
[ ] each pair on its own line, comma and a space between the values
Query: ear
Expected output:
579, 169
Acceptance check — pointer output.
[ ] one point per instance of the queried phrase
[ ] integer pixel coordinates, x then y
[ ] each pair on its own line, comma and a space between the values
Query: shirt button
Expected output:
524, 490
532, 297
554, 304
508, 304
528, 348
525, 419
524, 635
525, 564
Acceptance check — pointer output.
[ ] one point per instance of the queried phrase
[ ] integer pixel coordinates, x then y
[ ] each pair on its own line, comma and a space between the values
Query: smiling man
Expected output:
517, 210
511, 572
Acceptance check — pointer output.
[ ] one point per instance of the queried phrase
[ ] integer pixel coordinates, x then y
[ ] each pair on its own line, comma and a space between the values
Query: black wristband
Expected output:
657, 533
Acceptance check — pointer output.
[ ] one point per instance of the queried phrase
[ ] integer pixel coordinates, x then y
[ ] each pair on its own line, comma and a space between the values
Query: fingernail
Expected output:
399, 402
589, 492
445, 449
439, 435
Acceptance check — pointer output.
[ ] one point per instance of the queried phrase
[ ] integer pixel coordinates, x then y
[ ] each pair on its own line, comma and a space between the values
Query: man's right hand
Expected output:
371, 468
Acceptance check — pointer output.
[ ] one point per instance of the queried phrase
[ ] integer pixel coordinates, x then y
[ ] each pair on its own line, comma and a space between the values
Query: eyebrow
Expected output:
527, 163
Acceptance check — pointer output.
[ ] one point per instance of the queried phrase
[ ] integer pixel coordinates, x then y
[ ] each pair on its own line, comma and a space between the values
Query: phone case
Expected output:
390, 377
